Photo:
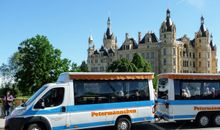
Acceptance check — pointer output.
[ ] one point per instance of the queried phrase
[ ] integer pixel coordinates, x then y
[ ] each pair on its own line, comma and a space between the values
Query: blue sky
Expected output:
68, 23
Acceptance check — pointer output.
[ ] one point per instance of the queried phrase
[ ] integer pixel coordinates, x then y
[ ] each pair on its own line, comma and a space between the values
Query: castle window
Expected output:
174, 61
164, 51
184, 53
200, 41
199, 54
164, 62
200, 64
194, 55
190, 54
174, 51
127, 47
194, 64
148, 55
152, 55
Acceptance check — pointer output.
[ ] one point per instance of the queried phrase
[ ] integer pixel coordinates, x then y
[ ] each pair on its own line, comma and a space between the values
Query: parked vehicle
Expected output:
87, 100
193, 97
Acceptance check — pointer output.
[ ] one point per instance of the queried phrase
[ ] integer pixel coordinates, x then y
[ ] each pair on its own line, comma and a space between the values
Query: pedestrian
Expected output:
8, 103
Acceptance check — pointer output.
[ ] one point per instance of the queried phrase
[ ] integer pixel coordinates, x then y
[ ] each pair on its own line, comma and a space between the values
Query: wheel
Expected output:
123, 124
35, 127
203, 120
216, 119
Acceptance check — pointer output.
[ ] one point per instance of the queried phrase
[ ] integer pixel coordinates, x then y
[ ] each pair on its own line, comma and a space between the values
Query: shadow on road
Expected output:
163, 126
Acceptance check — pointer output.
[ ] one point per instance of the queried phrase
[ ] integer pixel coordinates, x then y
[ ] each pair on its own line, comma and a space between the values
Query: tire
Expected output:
123, 124
216, 119
203, 120
35, 127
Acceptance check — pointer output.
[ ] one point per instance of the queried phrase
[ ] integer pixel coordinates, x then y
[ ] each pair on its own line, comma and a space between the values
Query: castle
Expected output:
166, 54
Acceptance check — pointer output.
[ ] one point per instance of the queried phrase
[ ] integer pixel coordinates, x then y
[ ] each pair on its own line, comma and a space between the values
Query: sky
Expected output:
68, 23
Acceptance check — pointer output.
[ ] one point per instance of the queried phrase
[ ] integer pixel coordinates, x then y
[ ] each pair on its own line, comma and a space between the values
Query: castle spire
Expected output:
168, 13
109, 31
109, 22
202, 20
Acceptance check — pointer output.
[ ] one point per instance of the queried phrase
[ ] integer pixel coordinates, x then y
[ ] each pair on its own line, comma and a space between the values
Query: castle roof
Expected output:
202, 28
109, 33
148, 36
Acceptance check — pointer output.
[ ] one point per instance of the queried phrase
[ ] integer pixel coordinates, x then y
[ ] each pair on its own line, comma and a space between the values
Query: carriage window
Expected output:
191, 90
162, 88
211, 90
196, 90
95, 92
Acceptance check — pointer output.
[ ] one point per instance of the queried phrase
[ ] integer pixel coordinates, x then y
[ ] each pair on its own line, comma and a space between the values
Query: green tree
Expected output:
75, 68
122, 65
39, 63
142, 64
84, 67
155, 81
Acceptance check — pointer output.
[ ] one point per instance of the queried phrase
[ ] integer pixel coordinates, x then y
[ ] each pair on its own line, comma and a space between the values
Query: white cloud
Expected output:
198, 4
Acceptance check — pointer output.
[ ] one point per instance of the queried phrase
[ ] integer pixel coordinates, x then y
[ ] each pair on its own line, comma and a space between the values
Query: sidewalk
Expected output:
2, 124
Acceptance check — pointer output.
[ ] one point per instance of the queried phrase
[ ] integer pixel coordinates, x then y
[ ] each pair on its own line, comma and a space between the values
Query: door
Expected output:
53, 106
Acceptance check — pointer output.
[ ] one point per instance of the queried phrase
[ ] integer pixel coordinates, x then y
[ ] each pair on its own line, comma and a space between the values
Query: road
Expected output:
165, 126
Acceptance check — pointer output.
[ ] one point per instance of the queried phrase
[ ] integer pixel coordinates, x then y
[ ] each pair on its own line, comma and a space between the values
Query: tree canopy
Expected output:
39, 63
138, 64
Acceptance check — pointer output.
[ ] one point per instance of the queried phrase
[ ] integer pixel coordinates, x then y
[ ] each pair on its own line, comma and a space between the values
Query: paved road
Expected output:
151, 126
164, 126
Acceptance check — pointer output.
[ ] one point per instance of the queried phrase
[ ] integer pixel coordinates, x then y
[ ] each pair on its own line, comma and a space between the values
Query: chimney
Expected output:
126, 35
139, 37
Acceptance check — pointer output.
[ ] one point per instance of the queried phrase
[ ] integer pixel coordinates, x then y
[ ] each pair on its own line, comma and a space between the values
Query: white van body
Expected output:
88, 111
192, 97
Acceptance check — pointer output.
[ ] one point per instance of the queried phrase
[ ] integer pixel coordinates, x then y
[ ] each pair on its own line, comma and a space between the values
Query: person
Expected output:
207, 92
188, 92
213, 92
8, 103
184, 94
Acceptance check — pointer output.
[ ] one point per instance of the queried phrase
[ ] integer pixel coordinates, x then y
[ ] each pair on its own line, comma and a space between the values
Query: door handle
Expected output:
63, 109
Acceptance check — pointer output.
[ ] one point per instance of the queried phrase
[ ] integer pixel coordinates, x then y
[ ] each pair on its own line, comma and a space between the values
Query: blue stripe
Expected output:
85, 125
91, 107
193, 102
104, 123
189, 102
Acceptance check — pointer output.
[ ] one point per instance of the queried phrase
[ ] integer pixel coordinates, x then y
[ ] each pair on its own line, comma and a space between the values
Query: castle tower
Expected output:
91, 48
203, 49
168, 57
168, 30
109, 39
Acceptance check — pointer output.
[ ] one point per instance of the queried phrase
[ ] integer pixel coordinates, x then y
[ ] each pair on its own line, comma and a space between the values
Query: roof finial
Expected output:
202, 20
168, 13
90, 40
109, 22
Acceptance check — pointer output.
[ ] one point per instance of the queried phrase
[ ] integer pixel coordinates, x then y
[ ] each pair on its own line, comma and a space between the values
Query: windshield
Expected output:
162, 88
33, 97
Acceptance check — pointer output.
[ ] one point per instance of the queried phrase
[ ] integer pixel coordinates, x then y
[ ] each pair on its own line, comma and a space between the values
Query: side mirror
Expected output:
40, 104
